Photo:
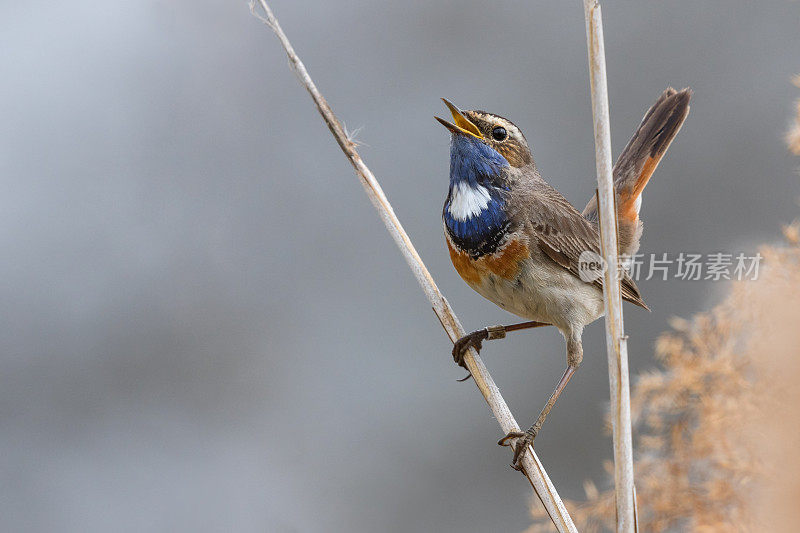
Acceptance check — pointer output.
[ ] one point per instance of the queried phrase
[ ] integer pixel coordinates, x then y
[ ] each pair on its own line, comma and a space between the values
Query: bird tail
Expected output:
638, 161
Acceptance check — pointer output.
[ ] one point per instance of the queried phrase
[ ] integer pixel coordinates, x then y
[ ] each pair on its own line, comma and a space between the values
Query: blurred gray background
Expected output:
205, 326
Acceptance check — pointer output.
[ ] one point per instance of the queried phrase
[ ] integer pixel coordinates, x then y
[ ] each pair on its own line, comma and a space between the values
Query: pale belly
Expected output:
545, 292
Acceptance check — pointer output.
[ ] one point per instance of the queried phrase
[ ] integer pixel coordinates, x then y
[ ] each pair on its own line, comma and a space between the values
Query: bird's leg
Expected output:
476, 338
526, 438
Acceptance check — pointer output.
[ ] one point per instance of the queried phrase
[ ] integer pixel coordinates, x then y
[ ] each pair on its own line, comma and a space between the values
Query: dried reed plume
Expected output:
717, 428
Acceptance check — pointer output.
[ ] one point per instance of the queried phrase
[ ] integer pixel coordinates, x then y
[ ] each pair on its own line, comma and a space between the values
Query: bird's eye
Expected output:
499, 133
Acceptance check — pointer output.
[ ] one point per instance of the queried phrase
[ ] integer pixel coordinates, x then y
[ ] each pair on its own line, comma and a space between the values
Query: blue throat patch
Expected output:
474, 163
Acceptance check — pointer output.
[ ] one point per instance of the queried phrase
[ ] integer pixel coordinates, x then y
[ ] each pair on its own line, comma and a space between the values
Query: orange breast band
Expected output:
504, 263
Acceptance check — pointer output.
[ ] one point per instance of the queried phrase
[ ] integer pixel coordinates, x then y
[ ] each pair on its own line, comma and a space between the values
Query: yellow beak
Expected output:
462, 124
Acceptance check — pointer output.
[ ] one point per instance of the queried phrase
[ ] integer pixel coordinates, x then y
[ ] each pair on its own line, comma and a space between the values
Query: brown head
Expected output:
494, 130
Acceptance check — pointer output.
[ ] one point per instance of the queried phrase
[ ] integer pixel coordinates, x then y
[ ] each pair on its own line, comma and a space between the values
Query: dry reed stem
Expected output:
718, 423
619, 381
533, 468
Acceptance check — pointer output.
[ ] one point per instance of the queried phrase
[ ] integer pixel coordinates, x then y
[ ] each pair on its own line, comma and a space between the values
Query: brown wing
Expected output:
563, 235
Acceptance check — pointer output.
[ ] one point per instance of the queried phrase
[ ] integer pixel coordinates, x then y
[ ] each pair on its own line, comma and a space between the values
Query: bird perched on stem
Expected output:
519, 243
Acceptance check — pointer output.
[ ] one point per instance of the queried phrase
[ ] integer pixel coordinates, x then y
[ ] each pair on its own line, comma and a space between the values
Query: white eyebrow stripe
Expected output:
512, 128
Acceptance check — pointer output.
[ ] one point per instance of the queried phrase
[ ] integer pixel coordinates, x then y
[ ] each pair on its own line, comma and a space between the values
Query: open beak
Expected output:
461, 124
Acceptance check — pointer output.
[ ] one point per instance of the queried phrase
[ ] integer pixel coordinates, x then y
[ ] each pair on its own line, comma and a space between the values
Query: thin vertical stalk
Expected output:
533, 469
616, 345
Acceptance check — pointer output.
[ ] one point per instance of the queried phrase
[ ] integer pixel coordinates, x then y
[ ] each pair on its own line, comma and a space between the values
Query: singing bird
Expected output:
518, 242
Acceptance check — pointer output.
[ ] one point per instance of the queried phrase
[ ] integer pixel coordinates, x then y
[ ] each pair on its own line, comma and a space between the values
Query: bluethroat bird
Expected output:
518, 242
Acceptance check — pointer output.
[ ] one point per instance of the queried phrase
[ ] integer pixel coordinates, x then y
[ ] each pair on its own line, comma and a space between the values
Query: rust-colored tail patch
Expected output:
644, 151
627, 199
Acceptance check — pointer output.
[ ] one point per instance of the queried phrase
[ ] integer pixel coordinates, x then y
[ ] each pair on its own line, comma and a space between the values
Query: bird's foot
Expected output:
475, 340
470, 340
523, 440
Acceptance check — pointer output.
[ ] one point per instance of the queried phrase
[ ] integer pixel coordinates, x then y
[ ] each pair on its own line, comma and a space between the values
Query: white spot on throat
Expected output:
467, 201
